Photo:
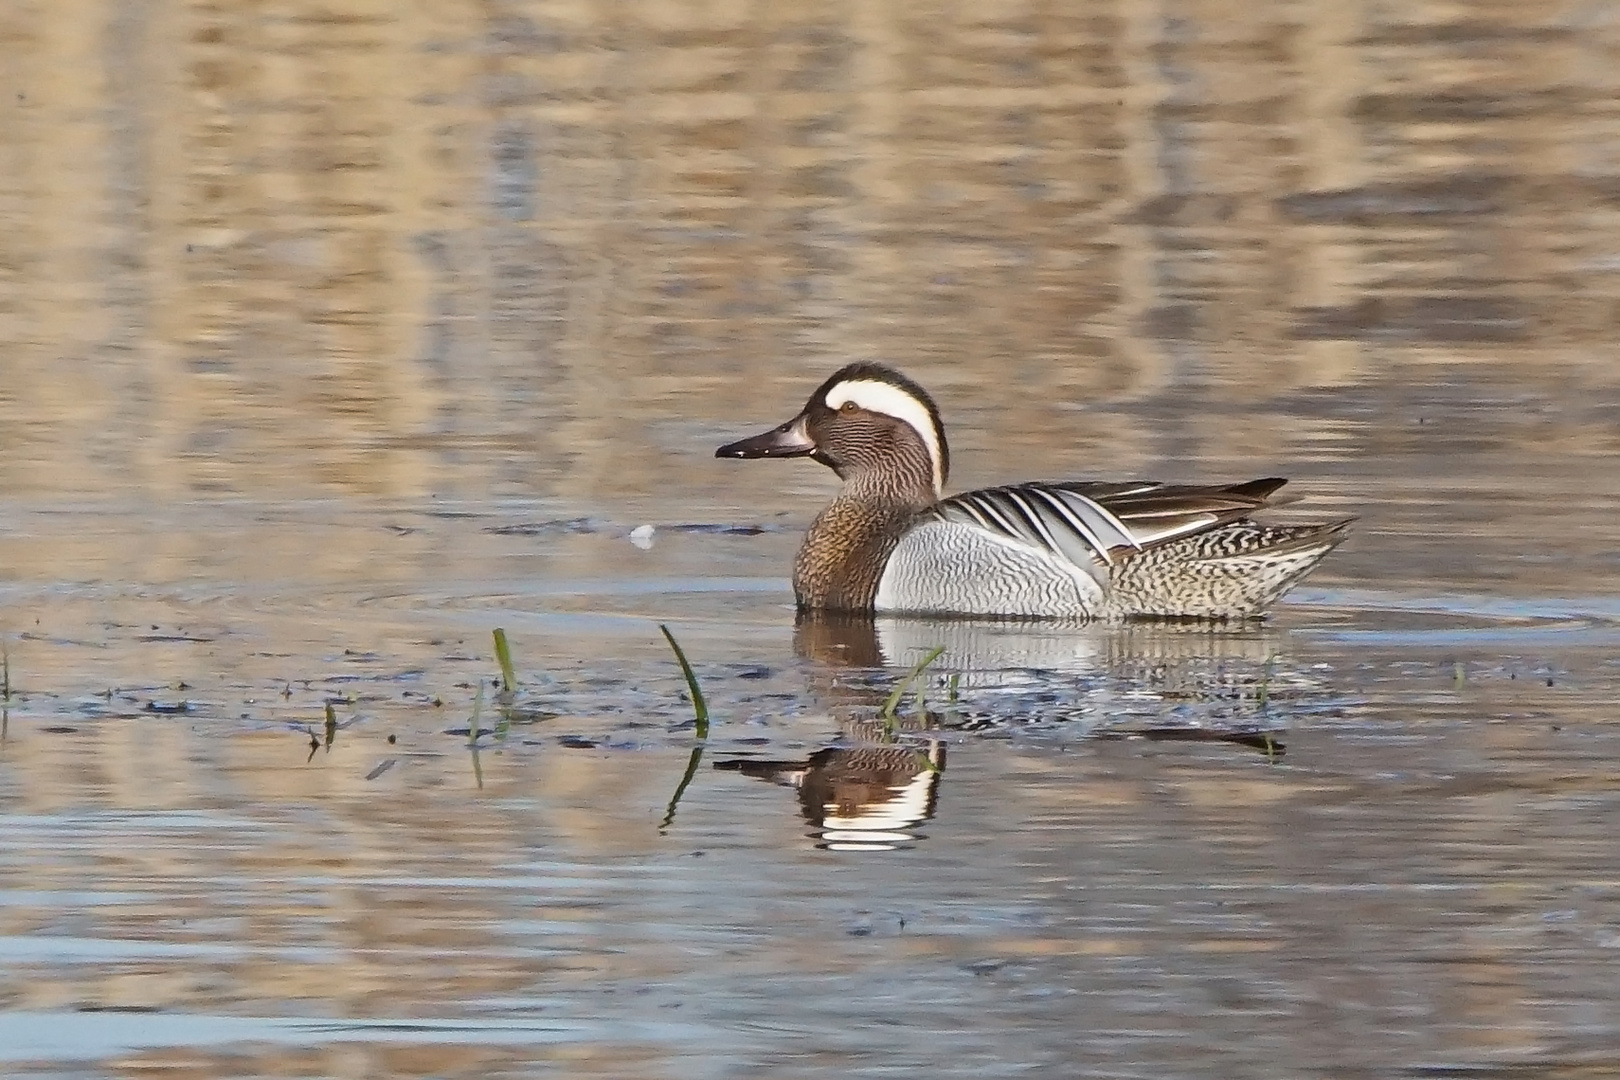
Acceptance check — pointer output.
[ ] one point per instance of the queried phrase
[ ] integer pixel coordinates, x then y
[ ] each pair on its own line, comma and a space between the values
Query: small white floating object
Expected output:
642, 536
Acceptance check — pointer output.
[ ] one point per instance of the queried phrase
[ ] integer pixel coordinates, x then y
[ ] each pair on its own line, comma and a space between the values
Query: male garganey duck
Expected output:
890, 542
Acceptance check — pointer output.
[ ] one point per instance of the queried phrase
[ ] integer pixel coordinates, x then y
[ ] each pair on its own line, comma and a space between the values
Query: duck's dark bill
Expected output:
789, 440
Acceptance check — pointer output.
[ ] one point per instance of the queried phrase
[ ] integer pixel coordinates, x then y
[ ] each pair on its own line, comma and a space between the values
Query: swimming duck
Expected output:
891, 542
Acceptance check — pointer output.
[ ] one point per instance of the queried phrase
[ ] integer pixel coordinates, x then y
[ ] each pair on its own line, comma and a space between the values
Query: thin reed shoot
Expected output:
889, 706
503, 654
700, 707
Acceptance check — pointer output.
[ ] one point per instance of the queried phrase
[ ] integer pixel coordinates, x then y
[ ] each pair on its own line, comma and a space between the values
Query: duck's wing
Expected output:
1086, 523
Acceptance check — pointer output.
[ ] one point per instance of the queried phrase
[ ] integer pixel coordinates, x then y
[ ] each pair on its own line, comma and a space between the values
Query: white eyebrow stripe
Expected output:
890, 400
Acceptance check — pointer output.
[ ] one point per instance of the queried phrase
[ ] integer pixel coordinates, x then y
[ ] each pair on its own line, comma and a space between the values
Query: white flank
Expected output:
890, 400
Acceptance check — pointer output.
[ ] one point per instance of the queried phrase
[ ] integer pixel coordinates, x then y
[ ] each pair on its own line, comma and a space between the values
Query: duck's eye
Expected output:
848, 406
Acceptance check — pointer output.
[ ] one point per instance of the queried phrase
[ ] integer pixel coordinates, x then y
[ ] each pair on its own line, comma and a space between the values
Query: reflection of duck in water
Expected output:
880, 782
870, 791
871, 797
1162, 680
891, 541
990, 652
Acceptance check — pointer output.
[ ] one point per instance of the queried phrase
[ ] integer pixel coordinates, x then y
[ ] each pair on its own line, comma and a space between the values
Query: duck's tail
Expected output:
1231, 572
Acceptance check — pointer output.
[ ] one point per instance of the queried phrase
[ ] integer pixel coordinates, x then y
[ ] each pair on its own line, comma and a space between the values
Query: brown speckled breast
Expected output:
844, 553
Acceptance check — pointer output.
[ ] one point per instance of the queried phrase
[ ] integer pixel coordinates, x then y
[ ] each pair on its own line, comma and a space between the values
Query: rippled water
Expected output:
336, 337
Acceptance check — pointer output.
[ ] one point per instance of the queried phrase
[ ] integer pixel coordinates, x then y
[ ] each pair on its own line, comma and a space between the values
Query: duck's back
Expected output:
1094, 550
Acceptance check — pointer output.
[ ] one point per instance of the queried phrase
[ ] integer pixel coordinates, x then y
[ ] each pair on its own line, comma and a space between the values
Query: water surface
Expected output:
336, 337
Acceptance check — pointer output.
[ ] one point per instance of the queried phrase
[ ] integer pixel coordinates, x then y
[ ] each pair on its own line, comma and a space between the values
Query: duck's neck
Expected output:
844, 553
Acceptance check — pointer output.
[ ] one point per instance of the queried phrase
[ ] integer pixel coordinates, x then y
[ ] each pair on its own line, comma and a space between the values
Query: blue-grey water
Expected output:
334, 338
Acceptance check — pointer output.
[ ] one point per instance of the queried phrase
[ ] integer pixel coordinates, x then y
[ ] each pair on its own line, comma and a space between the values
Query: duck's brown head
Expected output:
872, 426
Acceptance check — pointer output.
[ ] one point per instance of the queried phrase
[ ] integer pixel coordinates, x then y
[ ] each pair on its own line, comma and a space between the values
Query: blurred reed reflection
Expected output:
452, 249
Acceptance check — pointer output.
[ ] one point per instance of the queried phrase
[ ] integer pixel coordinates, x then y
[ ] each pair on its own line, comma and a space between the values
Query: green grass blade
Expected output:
477, 714
680, 789
331, 726
503, 654
473, 732
700, 708
899, 691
